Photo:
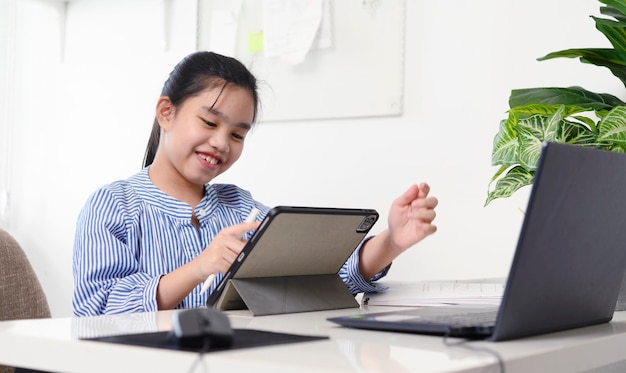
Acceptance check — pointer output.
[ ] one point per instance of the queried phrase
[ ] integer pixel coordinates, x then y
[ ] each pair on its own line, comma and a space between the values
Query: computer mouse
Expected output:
203, 323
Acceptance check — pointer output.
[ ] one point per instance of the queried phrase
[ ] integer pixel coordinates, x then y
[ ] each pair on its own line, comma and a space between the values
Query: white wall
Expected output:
84, 107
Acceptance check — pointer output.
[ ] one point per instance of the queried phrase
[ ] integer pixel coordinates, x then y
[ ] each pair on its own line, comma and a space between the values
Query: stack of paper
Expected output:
438, 293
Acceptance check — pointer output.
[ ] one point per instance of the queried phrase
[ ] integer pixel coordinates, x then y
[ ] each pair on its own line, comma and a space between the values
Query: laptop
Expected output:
569, 262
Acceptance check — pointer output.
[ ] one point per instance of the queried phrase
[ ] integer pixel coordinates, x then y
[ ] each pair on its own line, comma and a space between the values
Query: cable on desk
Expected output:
463, 344
205, 347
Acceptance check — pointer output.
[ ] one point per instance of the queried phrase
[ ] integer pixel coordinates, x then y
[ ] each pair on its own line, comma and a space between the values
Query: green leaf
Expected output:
590, 123
508, 184
496, 176
567, 96
595, 54
576, 133
615, 32
532, 109
613, 11
504, 146
608, 58
553, 124
616, 5
531, 136
612, 128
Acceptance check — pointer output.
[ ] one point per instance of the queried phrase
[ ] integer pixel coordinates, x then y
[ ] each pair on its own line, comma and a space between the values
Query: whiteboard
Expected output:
360, 75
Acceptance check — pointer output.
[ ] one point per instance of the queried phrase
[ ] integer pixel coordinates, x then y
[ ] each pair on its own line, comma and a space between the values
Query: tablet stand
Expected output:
288, 294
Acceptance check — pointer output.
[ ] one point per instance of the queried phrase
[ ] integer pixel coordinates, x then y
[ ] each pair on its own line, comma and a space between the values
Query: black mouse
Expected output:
203, 324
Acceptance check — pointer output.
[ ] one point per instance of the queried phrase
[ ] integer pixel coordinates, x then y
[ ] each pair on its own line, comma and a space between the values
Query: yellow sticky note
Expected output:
255, 41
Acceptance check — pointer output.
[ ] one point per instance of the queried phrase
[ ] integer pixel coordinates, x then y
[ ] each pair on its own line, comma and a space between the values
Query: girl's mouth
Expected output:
209, 159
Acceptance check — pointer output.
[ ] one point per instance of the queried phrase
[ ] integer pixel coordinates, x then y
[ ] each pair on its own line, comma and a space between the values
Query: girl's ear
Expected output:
164, 111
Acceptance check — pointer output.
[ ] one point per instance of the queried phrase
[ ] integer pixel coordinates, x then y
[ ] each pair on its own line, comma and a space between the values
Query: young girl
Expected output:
148, 243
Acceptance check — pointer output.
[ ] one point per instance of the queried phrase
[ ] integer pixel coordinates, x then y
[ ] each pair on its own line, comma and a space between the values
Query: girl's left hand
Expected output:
411, 217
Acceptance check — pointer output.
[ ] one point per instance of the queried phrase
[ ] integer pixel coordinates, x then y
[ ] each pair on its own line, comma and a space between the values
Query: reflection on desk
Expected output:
54, 345
104, 326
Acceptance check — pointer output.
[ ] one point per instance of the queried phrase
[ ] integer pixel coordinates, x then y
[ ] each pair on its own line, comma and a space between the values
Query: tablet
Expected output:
295, 242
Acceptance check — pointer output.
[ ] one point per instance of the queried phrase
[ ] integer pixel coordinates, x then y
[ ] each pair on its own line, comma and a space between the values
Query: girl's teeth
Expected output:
210, 160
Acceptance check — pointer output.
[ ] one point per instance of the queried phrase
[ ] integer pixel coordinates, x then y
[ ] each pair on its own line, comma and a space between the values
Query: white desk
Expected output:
53, 344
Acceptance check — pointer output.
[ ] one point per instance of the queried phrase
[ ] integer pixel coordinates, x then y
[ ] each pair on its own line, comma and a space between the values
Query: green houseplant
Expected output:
569, 115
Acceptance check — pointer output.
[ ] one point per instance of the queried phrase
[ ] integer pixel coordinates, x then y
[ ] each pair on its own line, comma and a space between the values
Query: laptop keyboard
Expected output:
486, 318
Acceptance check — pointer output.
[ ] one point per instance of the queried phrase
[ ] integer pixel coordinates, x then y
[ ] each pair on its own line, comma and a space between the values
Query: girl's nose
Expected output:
219, 141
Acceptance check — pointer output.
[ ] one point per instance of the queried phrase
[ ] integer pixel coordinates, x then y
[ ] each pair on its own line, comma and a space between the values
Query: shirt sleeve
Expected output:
107, 275
352, 277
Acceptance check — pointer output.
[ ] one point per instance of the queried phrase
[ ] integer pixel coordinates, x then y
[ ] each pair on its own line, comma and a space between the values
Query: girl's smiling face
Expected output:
204, 136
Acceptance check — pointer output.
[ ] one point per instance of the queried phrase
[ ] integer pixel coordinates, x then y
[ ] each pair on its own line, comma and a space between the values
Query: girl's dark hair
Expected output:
192, 75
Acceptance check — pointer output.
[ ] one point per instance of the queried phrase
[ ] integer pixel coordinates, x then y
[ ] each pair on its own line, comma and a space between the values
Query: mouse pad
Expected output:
242, 338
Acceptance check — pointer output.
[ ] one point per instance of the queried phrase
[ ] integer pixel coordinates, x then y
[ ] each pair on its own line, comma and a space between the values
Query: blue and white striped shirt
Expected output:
130, 233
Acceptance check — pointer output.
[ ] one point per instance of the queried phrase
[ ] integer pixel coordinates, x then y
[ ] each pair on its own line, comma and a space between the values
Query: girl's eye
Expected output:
238, 136
210, 124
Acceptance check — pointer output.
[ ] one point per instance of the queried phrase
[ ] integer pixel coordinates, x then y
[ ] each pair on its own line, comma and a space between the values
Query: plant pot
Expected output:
621, 299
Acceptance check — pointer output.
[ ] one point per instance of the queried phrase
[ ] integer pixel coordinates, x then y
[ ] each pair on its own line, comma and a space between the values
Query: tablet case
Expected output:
290, 263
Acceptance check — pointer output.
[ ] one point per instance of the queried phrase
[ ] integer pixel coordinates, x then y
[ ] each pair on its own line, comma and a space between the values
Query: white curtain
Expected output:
8, 26
31, 53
